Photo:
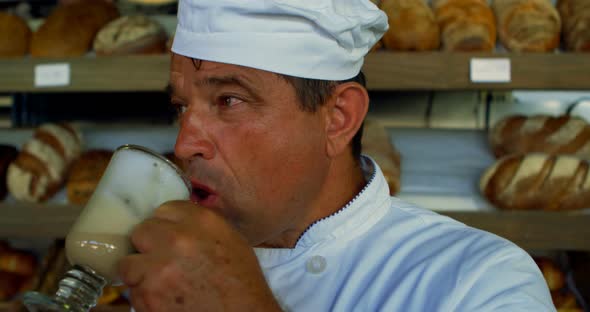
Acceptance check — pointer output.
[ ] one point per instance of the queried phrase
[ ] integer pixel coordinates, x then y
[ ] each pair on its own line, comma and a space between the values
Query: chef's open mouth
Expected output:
200, 194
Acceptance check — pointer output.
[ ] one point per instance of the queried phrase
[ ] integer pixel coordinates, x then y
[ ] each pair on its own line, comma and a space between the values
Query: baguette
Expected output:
466, 25
412, 26
541, 133
377, 145
575, 22
527, 25
537, 182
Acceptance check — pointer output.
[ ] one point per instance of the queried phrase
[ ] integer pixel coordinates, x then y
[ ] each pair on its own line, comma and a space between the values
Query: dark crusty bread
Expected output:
541, 133
575, 23
70, 29
85, 174
537, 182
15, 36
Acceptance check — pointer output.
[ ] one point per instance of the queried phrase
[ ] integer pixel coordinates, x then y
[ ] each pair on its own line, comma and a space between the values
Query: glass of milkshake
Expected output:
136, 181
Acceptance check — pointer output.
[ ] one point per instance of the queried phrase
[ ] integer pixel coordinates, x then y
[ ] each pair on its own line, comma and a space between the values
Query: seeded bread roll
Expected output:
40, 168
527, 25
85, 174
412, 26
377, 144
70, 29
537, 182
466, 25
15, 36
575, 22
136, 34
541, 133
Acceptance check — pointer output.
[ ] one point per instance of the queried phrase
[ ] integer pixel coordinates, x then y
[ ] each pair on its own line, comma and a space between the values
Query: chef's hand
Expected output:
190, 259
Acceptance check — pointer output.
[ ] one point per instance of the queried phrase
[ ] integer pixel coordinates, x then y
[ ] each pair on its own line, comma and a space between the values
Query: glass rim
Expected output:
161, 157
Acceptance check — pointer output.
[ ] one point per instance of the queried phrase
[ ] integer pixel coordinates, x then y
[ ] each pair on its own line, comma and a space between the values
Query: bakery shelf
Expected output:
385, 71
531, 229
451, 71
440, 171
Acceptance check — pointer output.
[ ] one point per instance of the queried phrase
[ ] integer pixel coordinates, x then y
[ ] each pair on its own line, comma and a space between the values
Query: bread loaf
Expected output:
541, 133
527, 25
70, 29
575, 22
465, 25
15, 36
40, 168
412, 26
85, 174
377, 144
537, 181
136, 34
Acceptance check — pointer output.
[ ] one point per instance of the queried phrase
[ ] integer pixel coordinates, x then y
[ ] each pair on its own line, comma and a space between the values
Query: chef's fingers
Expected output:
132, 269
154, 234
176, 210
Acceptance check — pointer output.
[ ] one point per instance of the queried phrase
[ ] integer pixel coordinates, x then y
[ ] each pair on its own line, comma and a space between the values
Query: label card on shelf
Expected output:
52, 75
494, 70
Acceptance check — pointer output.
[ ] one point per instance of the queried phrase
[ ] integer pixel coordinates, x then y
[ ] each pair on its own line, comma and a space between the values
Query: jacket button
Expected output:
315, 264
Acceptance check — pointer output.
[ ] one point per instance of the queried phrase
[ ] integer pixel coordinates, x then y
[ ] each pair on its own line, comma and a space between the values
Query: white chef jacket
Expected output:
379, 253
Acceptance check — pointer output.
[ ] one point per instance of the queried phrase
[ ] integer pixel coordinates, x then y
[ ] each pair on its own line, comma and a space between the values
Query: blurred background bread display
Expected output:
377, 144
85, 174
412, 26
7, 155
17, 271
541, 133
15, 36
70, 29
465, 25
537, 182
575, 22
41, 166
527, 25
136, 34
563, 298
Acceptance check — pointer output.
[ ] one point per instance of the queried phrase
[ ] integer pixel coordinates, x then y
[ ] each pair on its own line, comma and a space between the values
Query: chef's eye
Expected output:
179, 108
229, 101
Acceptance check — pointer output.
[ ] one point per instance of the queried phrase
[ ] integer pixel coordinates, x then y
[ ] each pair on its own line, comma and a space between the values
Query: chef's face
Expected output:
251, 153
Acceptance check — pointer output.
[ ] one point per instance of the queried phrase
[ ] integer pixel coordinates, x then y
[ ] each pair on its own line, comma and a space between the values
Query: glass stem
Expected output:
80, 289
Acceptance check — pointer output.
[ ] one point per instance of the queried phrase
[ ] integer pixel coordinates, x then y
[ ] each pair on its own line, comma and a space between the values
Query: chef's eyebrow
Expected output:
229, 80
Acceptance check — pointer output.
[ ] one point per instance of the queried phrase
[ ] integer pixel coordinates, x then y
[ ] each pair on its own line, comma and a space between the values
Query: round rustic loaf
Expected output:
134, 34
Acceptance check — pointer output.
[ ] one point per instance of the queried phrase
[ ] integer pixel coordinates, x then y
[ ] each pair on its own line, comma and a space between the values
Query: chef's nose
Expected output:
193, 139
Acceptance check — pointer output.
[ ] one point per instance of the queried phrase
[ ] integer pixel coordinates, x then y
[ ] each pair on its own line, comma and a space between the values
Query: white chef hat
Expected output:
319, 39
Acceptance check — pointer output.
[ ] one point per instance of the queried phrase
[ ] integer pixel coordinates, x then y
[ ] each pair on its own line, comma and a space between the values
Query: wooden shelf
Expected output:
91, 74
384, 70
530, 230
450, 71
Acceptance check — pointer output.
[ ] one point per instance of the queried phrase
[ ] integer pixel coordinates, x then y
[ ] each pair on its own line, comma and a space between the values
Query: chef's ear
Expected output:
345, 111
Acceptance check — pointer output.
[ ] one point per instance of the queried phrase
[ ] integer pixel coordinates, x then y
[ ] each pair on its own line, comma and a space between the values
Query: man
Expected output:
271, 103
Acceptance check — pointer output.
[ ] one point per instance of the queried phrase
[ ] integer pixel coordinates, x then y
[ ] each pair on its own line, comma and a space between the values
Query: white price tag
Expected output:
52, 75
490, 70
